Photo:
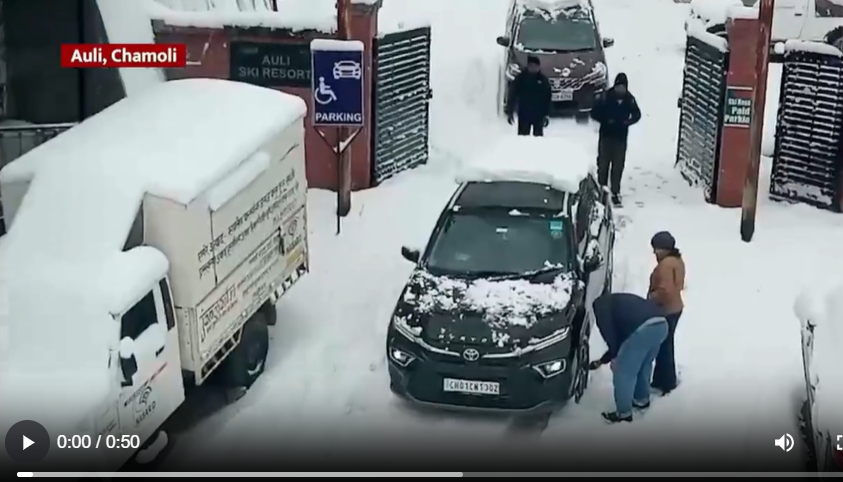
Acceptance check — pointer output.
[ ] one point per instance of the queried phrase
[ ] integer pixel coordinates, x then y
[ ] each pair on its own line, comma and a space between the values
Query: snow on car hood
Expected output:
501, 304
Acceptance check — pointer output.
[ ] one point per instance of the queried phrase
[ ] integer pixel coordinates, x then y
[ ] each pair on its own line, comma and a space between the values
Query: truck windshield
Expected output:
569, 31
497, 243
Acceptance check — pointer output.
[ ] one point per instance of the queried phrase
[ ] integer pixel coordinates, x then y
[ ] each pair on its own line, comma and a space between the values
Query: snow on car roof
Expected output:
552, 161
554, 5
795, 45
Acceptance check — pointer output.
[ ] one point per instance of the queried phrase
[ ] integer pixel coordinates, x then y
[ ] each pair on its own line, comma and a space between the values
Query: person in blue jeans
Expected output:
634, 329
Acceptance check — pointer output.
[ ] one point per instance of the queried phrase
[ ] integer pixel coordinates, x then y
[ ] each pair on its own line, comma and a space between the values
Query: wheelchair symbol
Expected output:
323, 94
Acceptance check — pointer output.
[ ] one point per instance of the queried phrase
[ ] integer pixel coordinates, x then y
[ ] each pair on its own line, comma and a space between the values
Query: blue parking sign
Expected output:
337, 83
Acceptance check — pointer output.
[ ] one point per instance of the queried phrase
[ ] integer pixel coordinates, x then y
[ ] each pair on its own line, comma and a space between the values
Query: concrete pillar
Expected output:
740, 81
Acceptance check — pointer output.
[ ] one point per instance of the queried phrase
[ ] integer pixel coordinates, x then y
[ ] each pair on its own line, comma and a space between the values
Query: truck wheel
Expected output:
246, 363
271, 314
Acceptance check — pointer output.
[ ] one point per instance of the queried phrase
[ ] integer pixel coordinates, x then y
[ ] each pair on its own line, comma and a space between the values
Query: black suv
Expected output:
497, 314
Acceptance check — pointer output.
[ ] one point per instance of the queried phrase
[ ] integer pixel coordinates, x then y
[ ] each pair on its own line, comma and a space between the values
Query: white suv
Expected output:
814, 20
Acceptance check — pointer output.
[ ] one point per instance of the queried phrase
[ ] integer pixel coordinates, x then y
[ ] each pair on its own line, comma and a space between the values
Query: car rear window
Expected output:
569, 31
493, 242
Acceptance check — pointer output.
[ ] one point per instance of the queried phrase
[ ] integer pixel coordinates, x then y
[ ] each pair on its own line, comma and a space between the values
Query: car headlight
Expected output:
512, 71
401, 357
551, 369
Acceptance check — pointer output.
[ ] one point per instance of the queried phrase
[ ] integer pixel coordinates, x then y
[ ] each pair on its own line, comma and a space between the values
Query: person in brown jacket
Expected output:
666, 284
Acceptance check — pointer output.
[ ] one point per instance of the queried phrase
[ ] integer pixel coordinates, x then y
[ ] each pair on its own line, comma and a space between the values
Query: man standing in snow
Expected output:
634, 329
529, 95
615, 110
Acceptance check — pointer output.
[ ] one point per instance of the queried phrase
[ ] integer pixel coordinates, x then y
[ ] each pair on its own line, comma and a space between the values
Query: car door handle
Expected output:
160, 351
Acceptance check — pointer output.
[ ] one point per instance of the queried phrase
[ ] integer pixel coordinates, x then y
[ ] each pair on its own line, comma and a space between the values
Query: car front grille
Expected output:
576, 83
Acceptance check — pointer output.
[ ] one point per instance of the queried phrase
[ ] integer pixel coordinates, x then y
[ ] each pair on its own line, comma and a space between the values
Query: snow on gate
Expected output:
809, 132
702, 104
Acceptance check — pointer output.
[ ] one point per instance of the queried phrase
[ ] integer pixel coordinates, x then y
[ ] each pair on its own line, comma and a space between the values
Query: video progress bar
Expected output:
77, 475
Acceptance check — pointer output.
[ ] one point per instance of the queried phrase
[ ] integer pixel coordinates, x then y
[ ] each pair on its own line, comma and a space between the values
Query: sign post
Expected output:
338, 103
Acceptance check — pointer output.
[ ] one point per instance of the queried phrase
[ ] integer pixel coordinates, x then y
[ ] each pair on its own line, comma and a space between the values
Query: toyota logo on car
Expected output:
471, 354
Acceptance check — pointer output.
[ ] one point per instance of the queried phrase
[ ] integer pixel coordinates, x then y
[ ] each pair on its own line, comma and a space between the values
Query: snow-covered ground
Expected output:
738, 345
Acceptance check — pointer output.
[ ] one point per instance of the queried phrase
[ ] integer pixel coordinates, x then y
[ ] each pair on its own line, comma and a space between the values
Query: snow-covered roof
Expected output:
295, 15
554, 161
713, 12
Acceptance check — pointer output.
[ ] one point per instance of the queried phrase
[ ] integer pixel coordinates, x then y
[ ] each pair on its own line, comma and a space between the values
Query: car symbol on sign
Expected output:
347, 69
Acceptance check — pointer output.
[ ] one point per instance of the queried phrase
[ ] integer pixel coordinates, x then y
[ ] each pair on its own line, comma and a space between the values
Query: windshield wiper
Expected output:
529, 274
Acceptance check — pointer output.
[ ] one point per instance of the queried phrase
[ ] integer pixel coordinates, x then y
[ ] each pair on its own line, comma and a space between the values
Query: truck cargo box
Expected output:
237, 243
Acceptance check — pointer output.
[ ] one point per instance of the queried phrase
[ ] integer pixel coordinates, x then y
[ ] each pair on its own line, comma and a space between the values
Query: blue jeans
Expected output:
633, 368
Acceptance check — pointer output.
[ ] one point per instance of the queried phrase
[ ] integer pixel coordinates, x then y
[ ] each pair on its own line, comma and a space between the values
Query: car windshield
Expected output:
497, 243
569, 31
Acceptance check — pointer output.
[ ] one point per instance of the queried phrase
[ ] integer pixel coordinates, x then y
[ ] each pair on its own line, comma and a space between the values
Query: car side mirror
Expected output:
504, 41
410, 254
608, 42
128, 362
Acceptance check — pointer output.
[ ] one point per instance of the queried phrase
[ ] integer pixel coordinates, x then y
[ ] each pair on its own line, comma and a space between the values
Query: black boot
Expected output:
641, 406
615, 417
616, 200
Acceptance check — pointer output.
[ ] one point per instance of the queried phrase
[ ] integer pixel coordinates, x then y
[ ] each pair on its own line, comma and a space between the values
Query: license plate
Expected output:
563, 95
471, 386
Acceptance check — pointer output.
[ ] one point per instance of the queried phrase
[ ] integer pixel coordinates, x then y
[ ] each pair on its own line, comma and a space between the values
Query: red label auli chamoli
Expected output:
123, 55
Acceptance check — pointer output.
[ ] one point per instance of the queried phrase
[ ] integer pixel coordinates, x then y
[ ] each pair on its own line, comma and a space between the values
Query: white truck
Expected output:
146, 249
811, 20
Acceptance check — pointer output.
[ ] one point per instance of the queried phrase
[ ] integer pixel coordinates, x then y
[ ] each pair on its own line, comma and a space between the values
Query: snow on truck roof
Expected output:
553, 161
174, 140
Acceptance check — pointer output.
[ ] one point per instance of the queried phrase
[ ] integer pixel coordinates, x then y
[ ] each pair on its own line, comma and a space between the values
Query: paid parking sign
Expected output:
337, 82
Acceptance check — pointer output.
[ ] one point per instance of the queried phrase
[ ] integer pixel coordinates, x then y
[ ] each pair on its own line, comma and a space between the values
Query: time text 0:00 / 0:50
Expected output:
85, 441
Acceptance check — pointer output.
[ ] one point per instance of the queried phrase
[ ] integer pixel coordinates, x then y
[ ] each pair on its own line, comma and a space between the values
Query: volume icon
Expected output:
785, 442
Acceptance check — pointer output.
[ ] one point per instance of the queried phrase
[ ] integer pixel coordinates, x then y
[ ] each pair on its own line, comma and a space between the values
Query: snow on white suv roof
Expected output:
552, 161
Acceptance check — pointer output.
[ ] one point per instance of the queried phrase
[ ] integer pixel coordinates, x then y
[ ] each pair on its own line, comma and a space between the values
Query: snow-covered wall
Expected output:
127, 23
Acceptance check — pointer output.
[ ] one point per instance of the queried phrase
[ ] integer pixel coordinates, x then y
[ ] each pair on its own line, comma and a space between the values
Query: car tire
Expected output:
580, 383
247, 362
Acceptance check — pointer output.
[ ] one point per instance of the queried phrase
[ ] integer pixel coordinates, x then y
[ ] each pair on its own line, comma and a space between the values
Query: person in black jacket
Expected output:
529, 95
615, 110
634, 329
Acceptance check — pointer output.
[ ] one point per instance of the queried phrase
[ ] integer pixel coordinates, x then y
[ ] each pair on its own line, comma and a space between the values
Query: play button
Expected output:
27, 442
